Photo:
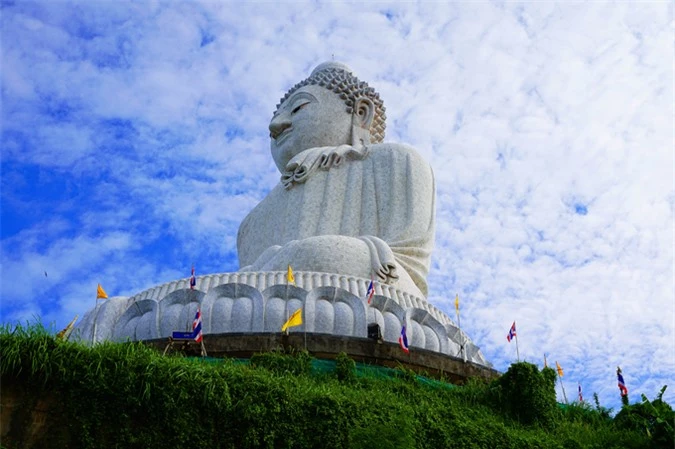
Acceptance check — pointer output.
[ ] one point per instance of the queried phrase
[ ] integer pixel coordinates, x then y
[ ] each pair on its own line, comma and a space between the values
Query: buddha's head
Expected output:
330, 108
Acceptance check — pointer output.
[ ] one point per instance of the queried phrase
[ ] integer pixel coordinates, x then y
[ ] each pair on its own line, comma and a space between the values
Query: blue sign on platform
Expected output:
183, 335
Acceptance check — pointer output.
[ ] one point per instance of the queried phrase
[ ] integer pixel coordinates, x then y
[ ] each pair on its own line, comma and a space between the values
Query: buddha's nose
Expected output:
278, 124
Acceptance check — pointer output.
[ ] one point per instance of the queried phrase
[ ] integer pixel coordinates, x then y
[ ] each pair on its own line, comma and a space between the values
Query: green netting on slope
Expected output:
327, 367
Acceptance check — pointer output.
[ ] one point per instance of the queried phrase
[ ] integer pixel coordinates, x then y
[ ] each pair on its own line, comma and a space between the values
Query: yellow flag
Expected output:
559, 368
457, 303
289, 276
65, 333
294, 320
100, 293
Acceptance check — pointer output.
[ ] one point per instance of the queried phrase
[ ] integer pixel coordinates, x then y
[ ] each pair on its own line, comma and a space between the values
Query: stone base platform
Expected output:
327, 347
253, 303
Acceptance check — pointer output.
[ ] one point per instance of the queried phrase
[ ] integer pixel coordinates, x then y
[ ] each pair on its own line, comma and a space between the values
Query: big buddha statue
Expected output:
347, 202
349, 210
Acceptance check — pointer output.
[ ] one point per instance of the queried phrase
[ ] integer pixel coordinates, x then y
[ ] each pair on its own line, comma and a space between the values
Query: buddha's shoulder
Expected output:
398, 151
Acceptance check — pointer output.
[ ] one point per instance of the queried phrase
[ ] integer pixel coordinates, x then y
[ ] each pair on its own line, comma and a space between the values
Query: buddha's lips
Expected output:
283, 134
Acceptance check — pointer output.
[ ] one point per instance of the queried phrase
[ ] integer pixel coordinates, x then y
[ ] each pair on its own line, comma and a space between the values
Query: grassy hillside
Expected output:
130, 396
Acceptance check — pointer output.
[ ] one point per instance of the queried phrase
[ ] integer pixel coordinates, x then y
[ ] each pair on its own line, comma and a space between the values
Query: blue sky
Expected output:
134, 141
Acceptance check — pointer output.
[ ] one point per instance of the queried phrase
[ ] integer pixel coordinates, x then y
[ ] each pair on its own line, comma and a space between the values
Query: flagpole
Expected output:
287, 316
462, 349
517, 351
287, 286
98, 310
563, 388
304, 324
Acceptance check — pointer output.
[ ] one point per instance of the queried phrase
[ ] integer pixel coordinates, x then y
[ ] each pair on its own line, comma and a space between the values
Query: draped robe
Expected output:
374, 215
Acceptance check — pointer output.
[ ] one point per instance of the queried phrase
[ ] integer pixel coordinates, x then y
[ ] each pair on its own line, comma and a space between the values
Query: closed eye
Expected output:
297, 108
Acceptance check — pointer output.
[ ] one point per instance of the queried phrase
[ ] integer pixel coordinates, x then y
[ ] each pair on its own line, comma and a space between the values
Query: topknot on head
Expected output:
331, 65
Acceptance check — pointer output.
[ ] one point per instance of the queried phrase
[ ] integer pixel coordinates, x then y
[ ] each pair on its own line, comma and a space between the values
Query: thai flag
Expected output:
581, 396
403, 341
512, 332
193, 280
622, 384
197, 326
371, 291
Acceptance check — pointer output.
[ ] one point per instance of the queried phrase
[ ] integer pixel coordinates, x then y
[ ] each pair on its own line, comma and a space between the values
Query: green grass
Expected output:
130, 396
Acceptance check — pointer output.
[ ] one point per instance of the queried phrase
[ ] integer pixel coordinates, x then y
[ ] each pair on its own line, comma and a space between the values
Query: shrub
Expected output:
295, 363
527, 395
655, 418
345, 368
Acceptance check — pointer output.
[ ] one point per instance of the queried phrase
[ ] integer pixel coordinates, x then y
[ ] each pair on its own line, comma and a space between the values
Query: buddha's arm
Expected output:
404, 192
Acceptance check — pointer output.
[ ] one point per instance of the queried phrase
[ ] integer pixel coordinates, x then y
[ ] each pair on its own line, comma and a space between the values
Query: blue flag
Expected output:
371, 291
512, 332
197, 327
403, 341
193, 280
622, 384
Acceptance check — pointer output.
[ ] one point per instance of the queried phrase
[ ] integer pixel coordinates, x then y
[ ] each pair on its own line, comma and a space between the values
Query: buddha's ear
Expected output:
362, 117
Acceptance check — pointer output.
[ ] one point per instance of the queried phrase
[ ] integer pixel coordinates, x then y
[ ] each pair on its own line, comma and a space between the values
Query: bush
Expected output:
396, 433
345, 368
654, 418
527, 395
294, 363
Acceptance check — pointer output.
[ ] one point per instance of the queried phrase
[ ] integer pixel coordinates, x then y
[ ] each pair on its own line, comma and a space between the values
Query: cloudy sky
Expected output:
134, 141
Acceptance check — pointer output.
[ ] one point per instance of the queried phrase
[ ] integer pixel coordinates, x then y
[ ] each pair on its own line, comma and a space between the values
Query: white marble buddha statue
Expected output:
347, 203
348, 207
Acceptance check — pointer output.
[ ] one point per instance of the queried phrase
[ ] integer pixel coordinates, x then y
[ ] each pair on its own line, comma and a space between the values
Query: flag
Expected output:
294, 320
193, 280
65, 333
100, 293
371, 291
457, 303
622, 384
559, 368
197, 326
289, 276
581, 396
512, 332
403, 341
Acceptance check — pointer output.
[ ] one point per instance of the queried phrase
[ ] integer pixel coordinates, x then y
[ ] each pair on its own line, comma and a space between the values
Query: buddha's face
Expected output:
312, 117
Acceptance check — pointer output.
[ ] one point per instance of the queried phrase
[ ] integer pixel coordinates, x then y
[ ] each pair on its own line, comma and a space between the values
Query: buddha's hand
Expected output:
383, 262
301, 167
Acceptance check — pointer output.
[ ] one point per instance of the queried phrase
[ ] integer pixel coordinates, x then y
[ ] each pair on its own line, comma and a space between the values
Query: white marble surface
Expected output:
229, 305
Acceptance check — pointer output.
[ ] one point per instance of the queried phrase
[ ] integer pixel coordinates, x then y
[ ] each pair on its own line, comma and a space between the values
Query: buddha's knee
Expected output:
325, 253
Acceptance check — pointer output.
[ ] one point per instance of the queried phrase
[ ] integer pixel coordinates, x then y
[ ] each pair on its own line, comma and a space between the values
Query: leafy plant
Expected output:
528, 395
295, 363
655, 418
345, 368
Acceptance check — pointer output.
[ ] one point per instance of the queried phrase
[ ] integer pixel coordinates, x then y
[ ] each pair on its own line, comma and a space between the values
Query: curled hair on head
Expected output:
350, 90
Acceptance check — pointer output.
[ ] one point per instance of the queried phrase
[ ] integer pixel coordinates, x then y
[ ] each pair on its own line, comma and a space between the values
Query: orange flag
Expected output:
100, 293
